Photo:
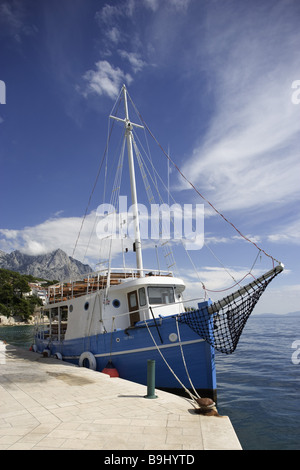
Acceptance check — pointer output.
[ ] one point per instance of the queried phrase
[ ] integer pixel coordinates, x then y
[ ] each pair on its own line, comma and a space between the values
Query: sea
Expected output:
258, 385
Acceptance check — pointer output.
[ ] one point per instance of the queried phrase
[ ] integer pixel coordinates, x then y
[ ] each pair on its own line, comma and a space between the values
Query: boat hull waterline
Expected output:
188, 357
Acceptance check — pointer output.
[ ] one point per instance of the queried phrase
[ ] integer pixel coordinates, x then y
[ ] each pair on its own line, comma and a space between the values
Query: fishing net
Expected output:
221, 324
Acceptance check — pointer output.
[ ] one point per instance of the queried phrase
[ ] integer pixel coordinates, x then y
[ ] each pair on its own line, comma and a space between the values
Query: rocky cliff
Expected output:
55, 265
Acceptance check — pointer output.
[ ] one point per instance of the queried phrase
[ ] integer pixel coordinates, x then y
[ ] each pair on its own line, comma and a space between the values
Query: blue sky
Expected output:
214, 82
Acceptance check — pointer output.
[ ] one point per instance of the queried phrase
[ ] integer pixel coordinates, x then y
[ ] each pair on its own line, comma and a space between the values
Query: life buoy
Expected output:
58, 355
88, 360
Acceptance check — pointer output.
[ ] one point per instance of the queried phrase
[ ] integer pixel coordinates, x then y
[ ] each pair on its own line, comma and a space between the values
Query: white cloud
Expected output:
111, 13
218, 281
249, 156
108, 13
52, 234
13, 20
114, 35
151, 4
56, 232
179, 4
134, 59
288, 234
105, 79
279, 300
278, 297
93, 244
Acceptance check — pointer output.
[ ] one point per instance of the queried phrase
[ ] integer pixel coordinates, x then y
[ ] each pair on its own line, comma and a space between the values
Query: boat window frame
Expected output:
145, 297
170, 289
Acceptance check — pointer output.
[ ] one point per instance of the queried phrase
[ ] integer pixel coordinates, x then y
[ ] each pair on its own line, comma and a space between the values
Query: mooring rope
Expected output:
183, 360
193, 397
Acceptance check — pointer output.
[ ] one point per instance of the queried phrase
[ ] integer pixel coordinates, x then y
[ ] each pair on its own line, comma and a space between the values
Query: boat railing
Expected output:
150, 307
96, 281
51, 329
55, 329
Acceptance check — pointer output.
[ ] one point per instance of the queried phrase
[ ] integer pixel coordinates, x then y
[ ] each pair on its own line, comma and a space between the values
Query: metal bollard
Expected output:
150, 379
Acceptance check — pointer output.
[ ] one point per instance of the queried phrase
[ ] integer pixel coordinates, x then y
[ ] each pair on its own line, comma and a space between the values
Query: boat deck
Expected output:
63, 291
48, 404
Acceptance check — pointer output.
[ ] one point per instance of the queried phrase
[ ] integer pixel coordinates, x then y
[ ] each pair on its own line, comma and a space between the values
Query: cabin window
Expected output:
133, 299
133, 307
161, 295
142, 296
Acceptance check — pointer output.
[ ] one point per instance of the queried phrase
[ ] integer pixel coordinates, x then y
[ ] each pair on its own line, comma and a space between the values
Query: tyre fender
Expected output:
90, 357
58, 355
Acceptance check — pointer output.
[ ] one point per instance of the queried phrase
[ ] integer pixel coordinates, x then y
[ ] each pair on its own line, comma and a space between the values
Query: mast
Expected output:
128, 134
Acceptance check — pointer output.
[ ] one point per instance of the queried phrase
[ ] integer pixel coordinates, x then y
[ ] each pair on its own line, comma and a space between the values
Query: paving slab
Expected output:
47, 404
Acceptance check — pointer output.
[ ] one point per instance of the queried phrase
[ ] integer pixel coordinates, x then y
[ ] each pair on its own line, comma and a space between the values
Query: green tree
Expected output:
13, 286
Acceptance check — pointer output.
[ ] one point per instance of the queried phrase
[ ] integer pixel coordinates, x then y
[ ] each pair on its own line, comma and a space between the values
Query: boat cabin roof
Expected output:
115, 280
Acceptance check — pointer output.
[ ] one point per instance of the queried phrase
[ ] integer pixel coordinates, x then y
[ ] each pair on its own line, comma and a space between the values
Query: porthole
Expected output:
173, 337
70, 308
86, 306
116, 303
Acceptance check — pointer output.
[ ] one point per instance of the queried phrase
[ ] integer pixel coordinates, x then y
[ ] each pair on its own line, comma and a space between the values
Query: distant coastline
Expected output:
290, 314
16, 321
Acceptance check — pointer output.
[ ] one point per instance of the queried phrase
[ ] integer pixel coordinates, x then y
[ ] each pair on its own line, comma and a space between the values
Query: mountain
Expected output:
55, 265
274, 315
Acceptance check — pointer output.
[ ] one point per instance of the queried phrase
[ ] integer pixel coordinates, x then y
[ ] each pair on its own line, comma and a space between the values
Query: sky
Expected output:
218, 84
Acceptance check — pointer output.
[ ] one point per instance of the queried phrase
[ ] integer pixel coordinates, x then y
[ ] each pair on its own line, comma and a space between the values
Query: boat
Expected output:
115, 320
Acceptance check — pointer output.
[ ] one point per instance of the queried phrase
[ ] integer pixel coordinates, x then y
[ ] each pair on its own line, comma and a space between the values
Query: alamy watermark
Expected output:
296, 354
296, 94
162, 222
2, 92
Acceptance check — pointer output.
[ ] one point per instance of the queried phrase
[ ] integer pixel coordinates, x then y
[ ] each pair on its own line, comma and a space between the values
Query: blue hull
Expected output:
130, 349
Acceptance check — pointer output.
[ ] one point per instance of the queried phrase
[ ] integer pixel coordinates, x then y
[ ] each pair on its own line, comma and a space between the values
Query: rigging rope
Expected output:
95, 183
203, 197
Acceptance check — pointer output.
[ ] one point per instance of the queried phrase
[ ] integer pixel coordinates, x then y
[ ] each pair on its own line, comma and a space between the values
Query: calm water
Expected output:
258, 385
21, 336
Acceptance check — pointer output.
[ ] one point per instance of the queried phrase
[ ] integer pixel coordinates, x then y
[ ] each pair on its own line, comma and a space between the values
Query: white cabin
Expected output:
91, 306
